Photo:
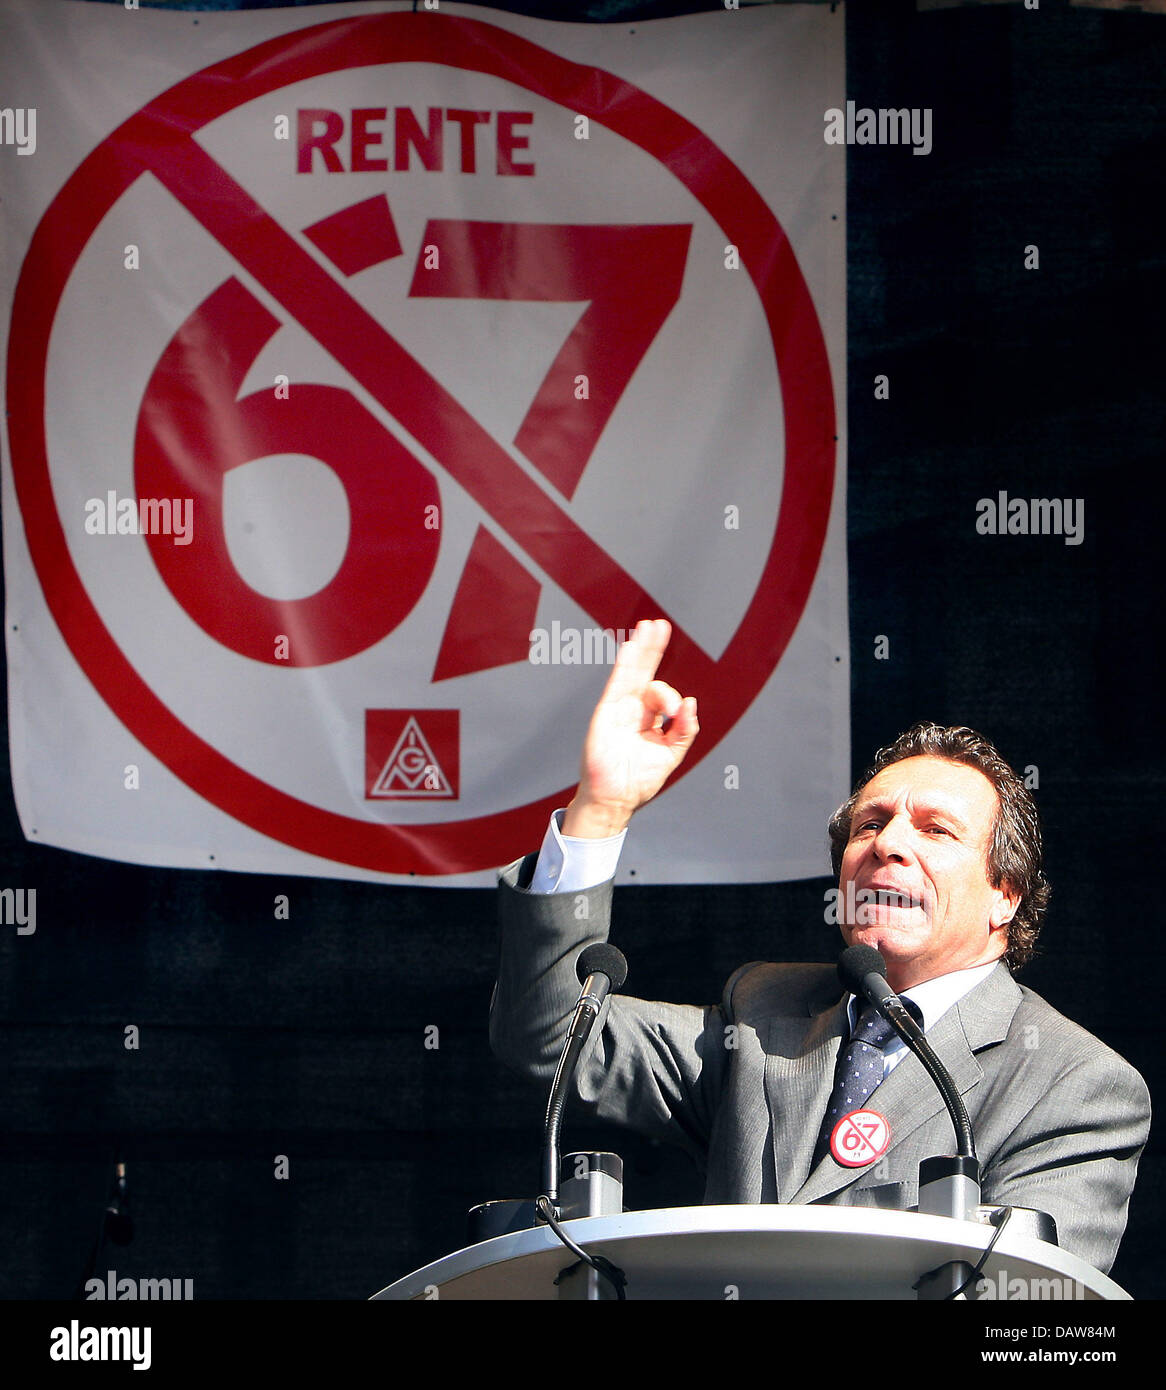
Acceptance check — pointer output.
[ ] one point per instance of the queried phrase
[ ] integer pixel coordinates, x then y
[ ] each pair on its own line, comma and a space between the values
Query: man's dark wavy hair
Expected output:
1015, 850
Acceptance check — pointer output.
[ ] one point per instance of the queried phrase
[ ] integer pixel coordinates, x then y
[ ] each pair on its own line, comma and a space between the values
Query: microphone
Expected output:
119, 1222
601, 967
949, 1185
862, 971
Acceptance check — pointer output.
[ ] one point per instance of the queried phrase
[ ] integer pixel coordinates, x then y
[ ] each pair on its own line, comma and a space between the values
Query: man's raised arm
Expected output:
639, 733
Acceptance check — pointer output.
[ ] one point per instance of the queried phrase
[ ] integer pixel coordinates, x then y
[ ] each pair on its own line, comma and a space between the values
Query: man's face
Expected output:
917, 858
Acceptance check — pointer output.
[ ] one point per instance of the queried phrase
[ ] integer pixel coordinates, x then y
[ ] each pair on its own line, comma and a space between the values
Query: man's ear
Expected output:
1005, 904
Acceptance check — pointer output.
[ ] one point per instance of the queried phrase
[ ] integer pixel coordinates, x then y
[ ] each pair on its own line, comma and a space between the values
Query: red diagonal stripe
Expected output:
360, 344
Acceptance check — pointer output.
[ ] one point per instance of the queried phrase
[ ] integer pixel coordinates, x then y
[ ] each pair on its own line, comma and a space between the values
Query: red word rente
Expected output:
368, 139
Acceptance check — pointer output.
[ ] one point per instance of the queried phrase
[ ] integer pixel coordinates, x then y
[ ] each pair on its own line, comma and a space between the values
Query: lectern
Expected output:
757, 1252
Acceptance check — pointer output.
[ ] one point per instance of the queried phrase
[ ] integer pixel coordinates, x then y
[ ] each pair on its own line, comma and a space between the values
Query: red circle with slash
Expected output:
159, 140
859, 1138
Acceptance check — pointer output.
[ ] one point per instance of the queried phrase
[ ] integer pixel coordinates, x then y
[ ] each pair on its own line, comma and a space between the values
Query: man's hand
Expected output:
628, 755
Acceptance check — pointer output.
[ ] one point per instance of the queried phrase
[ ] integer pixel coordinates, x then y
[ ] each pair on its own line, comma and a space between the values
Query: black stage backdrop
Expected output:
306, 1037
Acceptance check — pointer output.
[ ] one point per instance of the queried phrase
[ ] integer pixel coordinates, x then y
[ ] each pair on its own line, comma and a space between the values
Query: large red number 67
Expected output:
192, 428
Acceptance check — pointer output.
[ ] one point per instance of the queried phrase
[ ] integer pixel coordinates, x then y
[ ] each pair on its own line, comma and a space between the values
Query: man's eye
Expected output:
939, 830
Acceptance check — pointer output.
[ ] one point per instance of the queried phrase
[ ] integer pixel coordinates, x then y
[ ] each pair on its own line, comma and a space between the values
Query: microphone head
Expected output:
856, 962
602, 958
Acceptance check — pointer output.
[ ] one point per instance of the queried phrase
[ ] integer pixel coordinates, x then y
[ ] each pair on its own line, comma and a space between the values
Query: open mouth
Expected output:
890, 897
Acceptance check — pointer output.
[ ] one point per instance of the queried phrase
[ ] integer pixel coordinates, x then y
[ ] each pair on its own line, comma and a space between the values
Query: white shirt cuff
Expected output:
571, 863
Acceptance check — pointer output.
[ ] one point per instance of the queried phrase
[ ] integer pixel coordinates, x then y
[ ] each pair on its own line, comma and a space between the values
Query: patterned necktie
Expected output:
860, 1070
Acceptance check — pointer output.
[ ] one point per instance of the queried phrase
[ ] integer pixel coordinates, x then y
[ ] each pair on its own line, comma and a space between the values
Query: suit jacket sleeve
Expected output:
652, 1066
1072, 1150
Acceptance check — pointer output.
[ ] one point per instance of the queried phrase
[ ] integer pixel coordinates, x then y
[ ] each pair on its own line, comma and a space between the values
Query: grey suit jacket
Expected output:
1060, 1120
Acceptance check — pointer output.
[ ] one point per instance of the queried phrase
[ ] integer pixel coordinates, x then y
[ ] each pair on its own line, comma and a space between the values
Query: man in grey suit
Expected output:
938, 856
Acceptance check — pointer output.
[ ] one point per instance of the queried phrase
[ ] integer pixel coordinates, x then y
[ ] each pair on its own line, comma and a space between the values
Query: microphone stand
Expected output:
601, 968
949, 1185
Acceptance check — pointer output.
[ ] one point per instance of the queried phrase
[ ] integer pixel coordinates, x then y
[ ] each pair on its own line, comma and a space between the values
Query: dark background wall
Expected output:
307, 1037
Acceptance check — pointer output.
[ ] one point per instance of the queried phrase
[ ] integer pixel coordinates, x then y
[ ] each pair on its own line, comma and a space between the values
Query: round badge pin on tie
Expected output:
859, 1138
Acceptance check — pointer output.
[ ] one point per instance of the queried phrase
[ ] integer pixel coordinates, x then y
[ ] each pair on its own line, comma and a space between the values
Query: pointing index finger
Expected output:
638, 657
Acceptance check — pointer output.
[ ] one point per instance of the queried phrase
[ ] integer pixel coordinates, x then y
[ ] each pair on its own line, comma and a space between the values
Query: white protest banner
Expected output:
368, 372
